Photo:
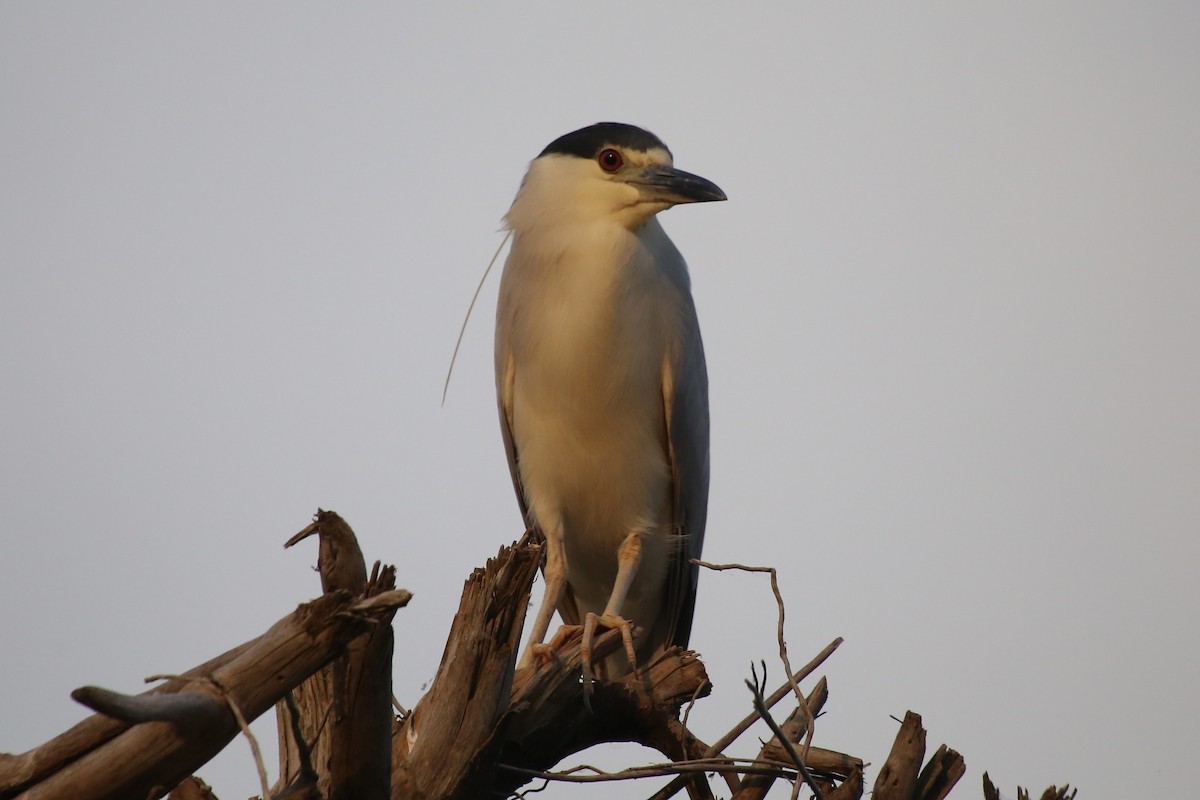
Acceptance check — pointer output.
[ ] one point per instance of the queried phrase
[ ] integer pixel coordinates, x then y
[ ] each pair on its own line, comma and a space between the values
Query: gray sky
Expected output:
950, 312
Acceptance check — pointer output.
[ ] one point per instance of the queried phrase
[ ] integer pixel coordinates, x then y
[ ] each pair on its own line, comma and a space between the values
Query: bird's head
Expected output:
605, 171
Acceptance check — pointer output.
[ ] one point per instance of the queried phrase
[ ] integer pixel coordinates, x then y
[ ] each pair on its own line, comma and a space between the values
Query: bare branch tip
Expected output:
308, 531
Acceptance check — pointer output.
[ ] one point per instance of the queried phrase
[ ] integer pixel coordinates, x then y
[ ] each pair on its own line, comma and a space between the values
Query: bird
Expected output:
602, 389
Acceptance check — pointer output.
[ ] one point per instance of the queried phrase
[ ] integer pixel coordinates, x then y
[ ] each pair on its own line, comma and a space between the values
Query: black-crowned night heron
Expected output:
602, 387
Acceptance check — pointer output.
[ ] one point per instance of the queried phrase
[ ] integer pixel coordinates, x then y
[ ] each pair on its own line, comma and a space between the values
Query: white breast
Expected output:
588, 336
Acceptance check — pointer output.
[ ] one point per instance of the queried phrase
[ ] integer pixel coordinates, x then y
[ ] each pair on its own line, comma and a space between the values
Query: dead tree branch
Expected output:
779, 634
718, 747
123, 760
447, 746
484, 728
184, 708
990, 792
335, 728
548, 721
792, 731
18, 772
902, 777
192, 789
780, 737
481, 728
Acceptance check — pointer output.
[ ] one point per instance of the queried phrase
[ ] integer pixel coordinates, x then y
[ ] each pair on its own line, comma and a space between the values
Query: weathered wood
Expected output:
362, 763
1055, 793
548, 720
446, 747
902, 776
849, 789
828, 764
479, 731
180, 708
990, 792
192, 788
755, 787
148, 759
717, 748
340, 560
940, 774
480, 717
335, 731
18, 772
898, 778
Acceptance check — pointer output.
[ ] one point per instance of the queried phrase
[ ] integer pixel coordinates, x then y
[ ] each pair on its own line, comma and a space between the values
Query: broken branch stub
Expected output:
902, 777
446, 747
335, 727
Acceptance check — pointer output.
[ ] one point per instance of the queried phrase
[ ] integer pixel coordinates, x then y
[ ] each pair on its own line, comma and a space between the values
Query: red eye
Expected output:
610, 160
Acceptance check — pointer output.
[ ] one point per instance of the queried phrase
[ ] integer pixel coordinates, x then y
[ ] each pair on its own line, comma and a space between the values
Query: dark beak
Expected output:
670, 185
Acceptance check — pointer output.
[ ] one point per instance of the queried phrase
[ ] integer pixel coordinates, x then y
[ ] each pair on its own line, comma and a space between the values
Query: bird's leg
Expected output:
628, 557
555, 573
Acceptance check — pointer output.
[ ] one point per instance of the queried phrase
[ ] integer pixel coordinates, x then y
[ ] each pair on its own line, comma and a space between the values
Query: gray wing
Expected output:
685, 401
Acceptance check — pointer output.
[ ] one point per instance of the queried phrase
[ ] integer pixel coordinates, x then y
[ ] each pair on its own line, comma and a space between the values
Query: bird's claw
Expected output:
541, 654
611, 621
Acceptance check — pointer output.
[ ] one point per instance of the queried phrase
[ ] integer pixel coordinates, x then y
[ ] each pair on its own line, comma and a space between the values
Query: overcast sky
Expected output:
952, 313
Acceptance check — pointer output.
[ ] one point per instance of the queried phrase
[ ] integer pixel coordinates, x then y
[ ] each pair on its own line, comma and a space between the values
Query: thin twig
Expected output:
523, 794
761, 707
245, 726
776, 696
683, 728
747, 766
674, 787
783, 654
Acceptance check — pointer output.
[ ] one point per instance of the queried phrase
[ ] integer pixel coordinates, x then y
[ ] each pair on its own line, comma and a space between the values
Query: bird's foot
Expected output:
541, 654
590, 623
